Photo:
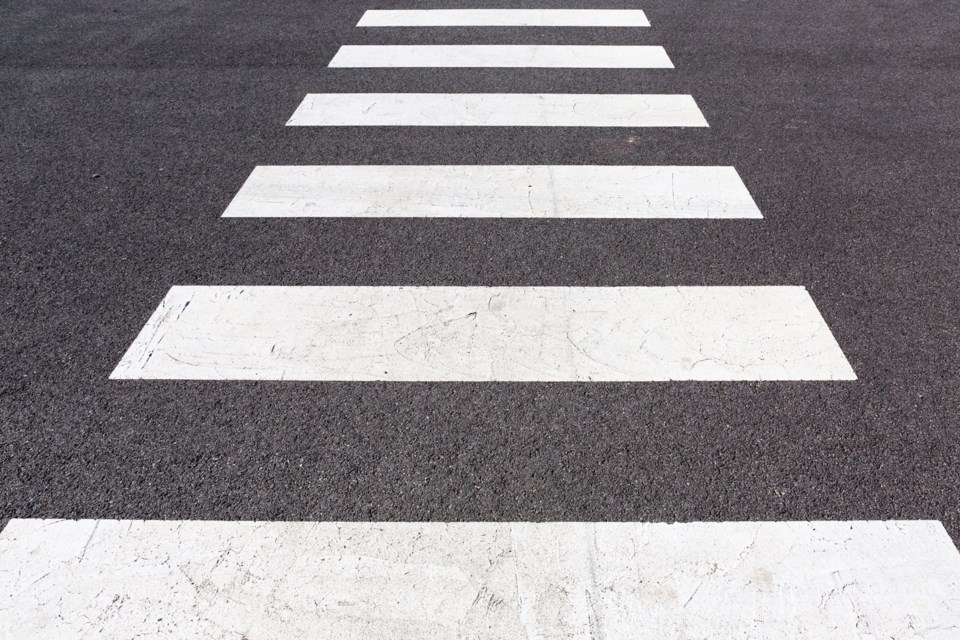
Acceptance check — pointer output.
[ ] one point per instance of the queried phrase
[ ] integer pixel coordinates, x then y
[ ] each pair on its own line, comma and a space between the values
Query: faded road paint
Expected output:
498, 581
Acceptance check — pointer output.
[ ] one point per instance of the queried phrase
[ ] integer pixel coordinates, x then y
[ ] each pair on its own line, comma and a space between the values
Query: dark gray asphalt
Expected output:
842, 118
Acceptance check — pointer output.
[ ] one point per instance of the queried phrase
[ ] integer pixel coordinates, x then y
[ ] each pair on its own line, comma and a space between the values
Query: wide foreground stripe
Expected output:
486, 334
493, 191
504, 18
499, 581
587, 57
497, 110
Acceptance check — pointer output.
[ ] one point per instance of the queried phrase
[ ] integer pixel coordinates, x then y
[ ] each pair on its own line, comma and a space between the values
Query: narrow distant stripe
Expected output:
485, 191
504, 18
541, 56
486, 334
115, 579
497, 110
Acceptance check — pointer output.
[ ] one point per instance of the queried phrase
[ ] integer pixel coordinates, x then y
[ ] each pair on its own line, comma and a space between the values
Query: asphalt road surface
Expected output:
127, 128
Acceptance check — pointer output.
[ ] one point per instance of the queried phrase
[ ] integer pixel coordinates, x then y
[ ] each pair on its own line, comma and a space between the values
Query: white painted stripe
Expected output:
486, 334
496, 55
113, 579
497, 110
493, 191
504, 18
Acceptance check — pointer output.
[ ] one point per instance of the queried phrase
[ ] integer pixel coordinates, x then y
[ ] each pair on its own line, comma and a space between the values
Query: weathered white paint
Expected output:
497, 110
486, 334
500, 55
504, 18
486, 191
111, 580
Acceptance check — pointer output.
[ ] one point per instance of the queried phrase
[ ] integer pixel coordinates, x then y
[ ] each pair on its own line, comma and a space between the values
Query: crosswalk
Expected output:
253, 580
450, 334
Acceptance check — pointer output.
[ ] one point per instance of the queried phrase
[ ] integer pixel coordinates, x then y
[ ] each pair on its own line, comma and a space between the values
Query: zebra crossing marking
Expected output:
495, 55
498, 581
504, 18
112, 578
493, 191
462, 334
496, 110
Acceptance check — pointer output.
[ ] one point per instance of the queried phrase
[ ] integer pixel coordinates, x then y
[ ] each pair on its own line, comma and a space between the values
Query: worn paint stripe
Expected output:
504, 18
541, 56
486, 334
485, 191
497, 109
489, 581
